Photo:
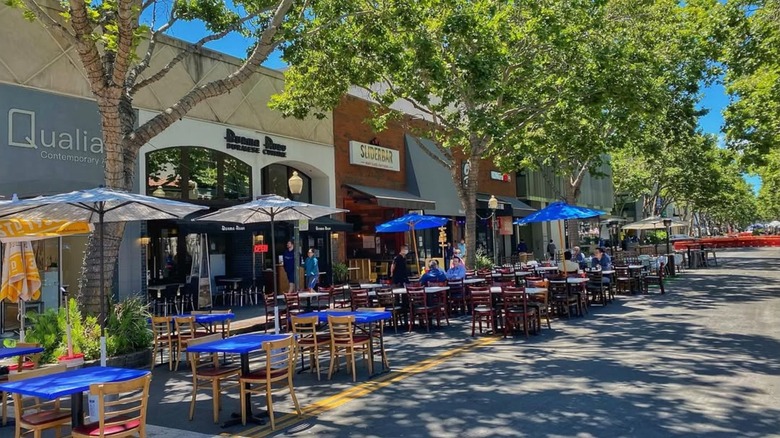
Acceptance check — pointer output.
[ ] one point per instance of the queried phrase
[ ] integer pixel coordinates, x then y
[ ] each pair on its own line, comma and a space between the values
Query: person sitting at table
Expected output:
312, 270
522, 247
434, 274
567, 265
457, 271
578, 257
601, 260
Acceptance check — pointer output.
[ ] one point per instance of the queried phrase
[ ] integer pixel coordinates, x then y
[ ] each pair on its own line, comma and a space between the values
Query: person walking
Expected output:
551, 249
288, 260
312, 270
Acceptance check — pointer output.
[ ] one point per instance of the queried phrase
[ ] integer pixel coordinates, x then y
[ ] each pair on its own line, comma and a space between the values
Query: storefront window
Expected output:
210, 175
275, 181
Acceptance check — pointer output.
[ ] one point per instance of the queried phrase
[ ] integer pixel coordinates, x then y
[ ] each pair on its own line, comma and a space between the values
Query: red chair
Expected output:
517, 311
359, 298
482, 309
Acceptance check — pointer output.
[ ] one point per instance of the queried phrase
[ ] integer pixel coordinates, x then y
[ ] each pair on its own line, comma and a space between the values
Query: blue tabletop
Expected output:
360, 317
19, 351
70, 382
241, 344
209, 318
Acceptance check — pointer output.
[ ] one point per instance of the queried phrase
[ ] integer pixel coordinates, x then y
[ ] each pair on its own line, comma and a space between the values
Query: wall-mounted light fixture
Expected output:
145, 240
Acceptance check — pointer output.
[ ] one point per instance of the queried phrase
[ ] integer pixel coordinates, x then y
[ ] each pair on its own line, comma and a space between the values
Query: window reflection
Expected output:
209, 175
275, 181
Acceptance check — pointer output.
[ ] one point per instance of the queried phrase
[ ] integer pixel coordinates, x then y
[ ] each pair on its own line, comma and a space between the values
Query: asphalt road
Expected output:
702, 360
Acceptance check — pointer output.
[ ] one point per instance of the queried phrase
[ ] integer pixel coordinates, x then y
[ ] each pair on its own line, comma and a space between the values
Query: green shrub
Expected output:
126, 330
481, 260
340, 272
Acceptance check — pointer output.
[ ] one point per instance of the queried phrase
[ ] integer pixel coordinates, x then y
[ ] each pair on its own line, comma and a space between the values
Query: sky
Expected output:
714, 96
715, 100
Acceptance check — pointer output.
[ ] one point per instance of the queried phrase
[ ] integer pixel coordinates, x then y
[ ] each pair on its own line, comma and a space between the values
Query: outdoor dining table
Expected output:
428, 290
528, 290
208, 320
73, 383
361, 317
241, 345
18, 351
474, 281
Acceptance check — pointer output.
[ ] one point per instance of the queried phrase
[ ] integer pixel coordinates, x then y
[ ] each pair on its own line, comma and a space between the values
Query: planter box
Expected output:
136, 360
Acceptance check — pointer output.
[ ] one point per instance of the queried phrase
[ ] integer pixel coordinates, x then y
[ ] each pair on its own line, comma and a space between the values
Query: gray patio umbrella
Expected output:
653, 223
98, 206
270, 208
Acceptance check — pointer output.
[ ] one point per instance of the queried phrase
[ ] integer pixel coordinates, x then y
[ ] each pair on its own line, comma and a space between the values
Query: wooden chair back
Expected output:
359, 298
480, 296
305, 328
122, 405
342, 329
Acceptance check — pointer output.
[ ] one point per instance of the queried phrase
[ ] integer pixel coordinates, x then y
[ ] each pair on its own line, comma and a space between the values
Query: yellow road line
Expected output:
364, 388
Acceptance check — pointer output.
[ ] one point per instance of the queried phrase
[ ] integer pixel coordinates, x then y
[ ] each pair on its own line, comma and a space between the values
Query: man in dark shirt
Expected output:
522, 247
602, 261
433, 274
288, 258
398, 270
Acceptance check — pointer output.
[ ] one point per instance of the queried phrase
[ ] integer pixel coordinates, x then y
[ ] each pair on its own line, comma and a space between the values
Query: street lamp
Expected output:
295, 183
669, 256
493, 205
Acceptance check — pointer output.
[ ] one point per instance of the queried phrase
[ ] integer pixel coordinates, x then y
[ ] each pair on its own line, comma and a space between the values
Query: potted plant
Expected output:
340, 273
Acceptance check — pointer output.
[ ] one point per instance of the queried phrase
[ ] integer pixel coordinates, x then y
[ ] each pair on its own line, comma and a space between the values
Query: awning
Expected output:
430, 178
513, 206
325, 224
393, 198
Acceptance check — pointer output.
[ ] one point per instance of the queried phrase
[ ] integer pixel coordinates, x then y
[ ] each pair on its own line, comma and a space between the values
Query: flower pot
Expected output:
76, 360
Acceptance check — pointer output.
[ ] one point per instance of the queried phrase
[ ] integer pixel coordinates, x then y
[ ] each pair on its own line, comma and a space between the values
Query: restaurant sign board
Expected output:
364, 154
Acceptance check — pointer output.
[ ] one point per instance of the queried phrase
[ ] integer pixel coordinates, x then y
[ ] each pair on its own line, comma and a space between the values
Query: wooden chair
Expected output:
121, 409
482, 309
269, 302
562, 300
596, 288
226, 325
516, 310
541, 303
456, 297
185, 332
163, 338
309, 341
359, 298
339, 298
45, 414
23, 363
377, 334
343, 338
387, 301
209, 373
622, 279
655, 278
292, 302
279, 367
419, 307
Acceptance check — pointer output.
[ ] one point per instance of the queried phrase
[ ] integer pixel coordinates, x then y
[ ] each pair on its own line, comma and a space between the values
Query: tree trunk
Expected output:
573, 190
117, 122
470, 209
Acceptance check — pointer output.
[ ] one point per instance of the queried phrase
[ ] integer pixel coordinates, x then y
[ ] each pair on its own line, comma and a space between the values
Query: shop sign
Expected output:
47, 140
505, 225
498, 176
364, 154
233, 228
303, 225
260, 248
251, 144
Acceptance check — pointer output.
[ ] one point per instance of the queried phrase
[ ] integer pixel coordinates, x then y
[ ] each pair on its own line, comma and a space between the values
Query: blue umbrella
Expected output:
557, 211
411, 222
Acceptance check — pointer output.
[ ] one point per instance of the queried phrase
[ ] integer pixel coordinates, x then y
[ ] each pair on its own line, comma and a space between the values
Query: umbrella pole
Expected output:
416, 254
560, 234
273, 266
103, 352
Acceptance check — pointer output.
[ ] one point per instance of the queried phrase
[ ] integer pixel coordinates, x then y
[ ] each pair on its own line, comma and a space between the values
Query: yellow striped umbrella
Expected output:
21, 280
16, 230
